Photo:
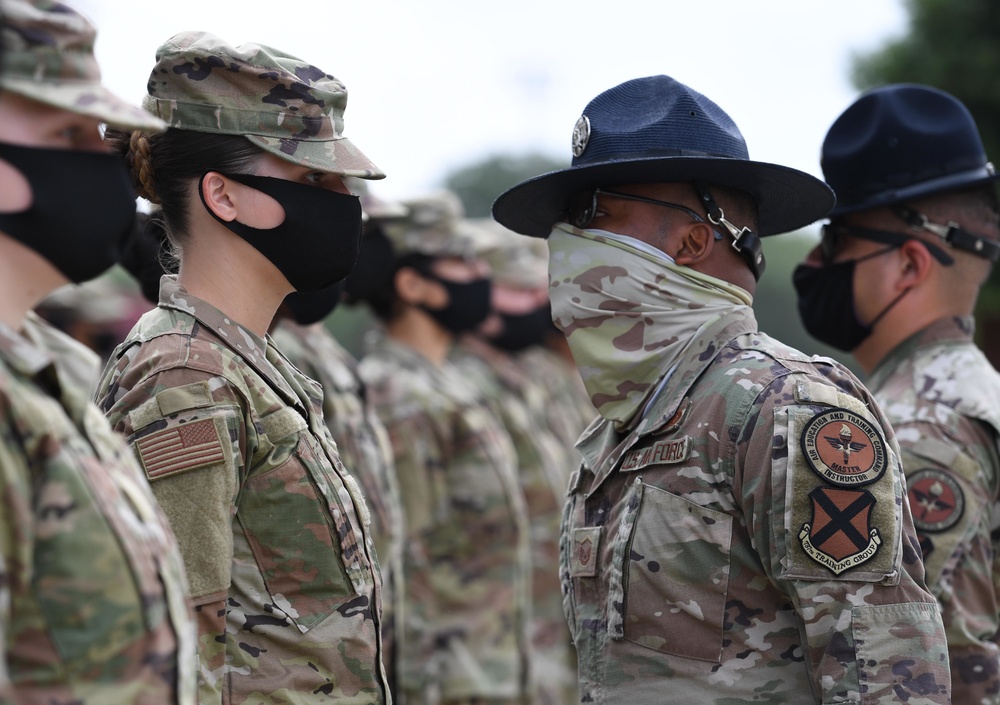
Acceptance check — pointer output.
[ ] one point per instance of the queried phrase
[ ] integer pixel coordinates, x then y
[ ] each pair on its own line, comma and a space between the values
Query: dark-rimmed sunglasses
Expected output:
583, 207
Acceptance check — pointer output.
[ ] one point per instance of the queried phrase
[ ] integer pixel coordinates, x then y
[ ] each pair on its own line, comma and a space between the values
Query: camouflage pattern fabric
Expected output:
279, 102
544, 469
93, 599
567, 410
747, 540
434, 225
466, 560
942, 397
48, 56
364, 449
272, 527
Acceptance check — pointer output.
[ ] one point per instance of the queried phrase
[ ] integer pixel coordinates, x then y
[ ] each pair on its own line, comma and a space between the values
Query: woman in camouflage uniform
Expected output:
274, 531
93, 607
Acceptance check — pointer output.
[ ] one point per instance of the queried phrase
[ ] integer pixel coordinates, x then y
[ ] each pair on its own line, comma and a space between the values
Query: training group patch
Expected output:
840, 535
844, 448
936, 500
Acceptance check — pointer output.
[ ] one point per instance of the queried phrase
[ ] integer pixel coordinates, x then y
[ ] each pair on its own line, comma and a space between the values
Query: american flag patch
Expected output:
179, 449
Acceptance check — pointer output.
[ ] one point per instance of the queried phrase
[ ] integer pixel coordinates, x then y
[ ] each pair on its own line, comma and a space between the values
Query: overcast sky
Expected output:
436, 84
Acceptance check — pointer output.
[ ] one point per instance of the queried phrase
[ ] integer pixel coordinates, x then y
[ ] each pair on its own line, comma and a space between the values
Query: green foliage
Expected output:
479, 183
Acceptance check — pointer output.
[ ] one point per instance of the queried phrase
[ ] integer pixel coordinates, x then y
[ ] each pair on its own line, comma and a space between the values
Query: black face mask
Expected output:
310, 307
317, 244
81, 212
826, 302
523, 330
468, 303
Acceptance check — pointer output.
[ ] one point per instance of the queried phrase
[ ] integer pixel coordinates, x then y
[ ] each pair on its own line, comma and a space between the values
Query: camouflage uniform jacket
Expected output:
543, 472
747, 540
93, 607
364, 448
466, 561
942, 397
271, 526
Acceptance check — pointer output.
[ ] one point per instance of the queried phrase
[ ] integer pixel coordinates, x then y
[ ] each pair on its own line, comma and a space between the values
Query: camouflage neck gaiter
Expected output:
628, 312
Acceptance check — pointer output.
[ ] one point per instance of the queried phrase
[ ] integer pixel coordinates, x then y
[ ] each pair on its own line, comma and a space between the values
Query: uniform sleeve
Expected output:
951, 481
819, 478
187, 429
15, 547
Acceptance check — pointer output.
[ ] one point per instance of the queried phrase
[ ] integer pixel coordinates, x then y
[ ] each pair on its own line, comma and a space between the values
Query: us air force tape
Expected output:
844, 448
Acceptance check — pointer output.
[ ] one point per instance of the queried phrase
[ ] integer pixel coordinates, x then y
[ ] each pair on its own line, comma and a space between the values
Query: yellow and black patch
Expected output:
936, 500
844, 448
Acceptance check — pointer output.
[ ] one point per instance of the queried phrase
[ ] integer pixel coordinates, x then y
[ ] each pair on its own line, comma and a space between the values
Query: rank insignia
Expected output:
581, 135
840, 535
583, 560
844, 448
936, 500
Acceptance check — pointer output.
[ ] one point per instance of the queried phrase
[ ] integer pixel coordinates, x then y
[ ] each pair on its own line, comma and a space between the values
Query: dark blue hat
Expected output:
900, 142
656, 129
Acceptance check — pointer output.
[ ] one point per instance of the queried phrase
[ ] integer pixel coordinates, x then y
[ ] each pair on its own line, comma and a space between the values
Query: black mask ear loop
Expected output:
745, 241
872, 255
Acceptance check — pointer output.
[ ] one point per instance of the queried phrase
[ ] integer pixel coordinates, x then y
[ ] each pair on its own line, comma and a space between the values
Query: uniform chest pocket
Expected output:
288, 523
670, 575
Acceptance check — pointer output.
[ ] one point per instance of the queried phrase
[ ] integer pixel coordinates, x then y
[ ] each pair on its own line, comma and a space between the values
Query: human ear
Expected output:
215, 193
695, 244
915, 264
414, 289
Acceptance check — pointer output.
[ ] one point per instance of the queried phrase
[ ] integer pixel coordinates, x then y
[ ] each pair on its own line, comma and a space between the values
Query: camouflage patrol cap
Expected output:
48, 56
518, 261
435, 225
279, 102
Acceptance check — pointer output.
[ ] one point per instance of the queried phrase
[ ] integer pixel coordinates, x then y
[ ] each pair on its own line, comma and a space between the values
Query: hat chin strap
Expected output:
952, 233
745, 241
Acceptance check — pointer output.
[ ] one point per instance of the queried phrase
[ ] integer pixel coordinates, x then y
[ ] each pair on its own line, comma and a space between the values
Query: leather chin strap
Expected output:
952, 233
745, 241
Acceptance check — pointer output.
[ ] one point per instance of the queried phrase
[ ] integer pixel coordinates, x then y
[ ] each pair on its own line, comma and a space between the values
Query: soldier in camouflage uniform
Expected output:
489, 358
93, 599
273, 530
912, 239
737, 531
361, 438
466, 565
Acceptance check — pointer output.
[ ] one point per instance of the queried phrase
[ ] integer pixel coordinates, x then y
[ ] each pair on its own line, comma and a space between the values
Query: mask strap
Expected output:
745, 241
886, 310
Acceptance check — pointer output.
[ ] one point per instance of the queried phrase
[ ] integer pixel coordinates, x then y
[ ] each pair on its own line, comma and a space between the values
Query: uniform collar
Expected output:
951, 329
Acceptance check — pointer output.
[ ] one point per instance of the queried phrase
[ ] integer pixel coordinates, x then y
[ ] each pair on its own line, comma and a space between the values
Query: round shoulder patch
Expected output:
936, 500
844, 448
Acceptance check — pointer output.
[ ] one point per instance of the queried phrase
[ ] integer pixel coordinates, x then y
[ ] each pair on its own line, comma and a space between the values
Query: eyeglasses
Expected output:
583, 207
832, 233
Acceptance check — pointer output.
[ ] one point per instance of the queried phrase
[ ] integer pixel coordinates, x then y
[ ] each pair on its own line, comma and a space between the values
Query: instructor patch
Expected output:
844, 448
936, 500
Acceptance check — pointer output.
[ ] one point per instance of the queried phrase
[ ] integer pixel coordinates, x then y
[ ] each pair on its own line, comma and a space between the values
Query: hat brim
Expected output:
338, 156
86, 98
931, 187
787, 199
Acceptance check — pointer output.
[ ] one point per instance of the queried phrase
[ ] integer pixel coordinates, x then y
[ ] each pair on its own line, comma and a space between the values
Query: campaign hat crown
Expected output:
656, 129
899, 142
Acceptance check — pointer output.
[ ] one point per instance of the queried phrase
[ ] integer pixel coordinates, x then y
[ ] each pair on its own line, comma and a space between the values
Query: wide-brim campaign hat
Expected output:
281, 103
656, 129
900, 142
48, 56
